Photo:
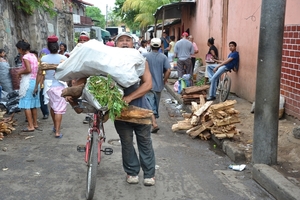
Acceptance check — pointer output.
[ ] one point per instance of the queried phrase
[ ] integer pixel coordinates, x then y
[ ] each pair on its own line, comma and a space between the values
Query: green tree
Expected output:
28, 6
144, 9
95, 14
127, 17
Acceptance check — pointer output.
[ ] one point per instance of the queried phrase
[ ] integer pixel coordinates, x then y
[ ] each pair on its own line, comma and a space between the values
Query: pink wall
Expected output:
208, 21
228, 20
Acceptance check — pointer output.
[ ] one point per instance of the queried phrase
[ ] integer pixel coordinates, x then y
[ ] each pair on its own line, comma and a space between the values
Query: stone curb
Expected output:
274, 182
229, 148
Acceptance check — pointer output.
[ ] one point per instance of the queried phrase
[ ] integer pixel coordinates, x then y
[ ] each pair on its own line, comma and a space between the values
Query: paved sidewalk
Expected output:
275, 179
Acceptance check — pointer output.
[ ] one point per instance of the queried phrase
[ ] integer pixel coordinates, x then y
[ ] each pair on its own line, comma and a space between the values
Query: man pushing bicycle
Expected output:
216, 70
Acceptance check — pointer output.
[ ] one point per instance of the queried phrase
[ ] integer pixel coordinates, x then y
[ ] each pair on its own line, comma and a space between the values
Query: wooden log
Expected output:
175, 127
205, 135
135, 120
195, 120
226, 121
193, 129
188, 102
136, 112
194, 89
190, 96
47, 66
222, 106
184, 125
202, 100
232, 111
187, 115
202, 128
216, 132
194, 106
203, 108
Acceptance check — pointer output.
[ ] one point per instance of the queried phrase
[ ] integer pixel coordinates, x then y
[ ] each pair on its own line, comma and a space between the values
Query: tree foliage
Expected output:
95, 14
29, 6
144, 9
127, 17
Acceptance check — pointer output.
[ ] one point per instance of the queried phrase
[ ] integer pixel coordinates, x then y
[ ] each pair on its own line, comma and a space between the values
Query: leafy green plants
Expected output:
106, 92
200, 82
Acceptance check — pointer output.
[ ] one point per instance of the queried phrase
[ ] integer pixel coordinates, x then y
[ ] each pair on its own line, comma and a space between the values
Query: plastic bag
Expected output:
12, 94
196, 67
13, 101
125, 65
13, 109
176, 85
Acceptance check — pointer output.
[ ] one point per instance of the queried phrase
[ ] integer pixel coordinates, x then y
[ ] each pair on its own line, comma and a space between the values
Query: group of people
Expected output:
32, 79
185, 49
145, 94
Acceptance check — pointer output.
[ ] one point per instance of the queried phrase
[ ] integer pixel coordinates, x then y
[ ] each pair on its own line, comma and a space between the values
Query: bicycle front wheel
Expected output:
92, 167
225, 89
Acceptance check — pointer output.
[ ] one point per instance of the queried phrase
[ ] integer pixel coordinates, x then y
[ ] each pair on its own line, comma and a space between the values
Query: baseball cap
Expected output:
84, 33
185, 34
155, 42
124, 33
52, 38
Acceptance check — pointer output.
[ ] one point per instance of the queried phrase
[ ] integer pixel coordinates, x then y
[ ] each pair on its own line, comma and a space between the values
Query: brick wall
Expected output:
290, 71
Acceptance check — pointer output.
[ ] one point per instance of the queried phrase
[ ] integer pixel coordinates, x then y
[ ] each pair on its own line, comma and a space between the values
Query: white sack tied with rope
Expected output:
125, 65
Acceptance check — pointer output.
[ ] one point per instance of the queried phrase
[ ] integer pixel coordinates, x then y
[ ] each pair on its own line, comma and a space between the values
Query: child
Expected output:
2, 56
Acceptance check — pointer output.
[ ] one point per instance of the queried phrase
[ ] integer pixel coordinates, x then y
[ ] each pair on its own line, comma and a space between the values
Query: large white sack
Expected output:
125, 65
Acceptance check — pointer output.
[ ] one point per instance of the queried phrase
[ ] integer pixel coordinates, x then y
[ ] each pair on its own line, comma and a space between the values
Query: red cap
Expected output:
52, 38
185, 34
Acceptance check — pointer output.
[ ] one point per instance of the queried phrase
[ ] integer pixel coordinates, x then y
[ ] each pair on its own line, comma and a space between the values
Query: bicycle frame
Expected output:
98, 127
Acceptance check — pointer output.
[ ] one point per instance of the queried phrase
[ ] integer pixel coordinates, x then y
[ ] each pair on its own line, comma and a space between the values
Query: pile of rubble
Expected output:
207, 119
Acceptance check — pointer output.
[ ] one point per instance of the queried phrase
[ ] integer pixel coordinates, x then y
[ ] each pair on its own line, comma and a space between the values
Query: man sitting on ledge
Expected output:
216, 70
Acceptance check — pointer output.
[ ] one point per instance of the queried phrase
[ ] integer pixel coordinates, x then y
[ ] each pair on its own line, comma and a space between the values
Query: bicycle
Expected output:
224, 85
95, 138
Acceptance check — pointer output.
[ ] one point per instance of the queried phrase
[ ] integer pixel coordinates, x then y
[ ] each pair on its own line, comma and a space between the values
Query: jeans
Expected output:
44, 107
131, 163
214, 77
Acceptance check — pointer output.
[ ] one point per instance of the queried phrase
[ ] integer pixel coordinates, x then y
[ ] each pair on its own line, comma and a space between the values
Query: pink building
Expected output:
239, 21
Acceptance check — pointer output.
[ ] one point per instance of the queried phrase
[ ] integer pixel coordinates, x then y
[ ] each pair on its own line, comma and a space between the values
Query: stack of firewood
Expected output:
192, 94
207, 119
6, 124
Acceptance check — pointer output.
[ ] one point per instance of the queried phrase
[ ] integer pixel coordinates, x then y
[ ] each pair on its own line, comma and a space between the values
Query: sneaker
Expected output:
87, 120
149, 181
132, 179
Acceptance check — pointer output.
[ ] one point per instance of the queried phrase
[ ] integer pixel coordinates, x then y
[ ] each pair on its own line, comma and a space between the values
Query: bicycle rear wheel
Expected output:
225, 89
92, 167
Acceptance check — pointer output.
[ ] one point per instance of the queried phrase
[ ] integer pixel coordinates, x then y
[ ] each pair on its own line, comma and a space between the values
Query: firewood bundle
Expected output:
207, 119
6, 125
192, 94
224, 117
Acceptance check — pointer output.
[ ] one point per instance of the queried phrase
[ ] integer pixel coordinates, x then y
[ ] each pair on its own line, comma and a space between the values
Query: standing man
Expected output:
193, 56
160, 71
135, 95
183, 51
216, 70
166, 40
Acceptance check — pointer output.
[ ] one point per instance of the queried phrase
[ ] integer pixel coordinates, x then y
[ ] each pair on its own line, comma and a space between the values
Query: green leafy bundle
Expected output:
107, 94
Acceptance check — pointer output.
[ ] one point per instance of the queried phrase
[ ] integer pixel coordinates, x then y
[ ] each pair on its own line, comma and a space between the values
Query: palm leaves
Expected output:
145, 9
